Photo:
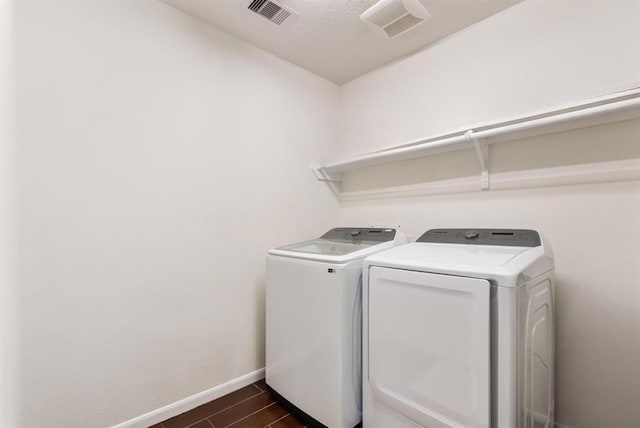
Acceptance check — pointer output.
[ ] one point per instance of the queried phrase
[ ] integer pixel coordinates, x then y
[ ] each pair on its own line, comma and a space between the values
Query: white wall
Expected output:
536, 55
159, 159
149, 140
9, 343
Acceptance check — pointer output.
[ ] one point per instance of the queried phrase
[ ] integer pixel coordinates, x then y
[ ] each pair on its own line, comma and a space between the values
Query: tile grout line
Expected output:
210, 423
194, 423
233, 405
251, 414
270, 425
257, 387
222, 410
239, 402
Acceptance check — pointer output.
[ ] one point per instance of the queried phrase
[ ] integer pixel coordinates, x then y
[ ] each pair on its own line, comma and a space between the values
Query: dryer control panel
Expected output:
504, 237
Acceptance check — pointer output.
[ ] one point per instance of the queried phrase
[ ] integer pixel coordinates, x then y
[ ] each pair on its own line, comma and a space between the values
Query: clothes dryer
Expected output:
458, 331
314, 321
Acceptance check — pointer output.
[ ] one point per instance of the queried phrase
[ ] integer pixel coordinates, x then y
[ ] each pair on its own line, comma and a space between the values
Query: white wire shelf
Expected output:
608, 109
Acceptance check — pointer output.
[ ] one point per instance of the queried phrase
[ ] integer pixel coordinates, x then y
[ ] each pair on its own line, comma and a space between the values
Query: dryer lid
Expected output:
507, 256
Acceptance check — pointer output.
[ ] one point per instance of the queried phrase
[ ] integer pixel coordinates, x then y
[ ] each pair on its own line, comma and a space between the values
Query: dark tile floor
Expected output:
248, 407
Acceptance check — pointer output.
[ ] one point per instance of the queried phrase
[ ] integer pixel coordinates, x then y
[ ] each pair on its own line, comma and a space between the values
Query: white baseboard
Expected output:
186, 404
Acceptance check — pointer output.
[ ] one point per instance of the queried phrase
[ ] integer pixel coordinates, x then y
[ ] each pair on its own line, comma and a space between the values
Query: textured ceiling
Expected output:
328, 37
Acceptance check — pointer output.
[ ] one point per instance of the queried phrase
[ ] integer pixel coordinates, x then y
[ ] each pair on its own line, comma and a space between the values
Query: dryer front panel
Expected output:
428, 346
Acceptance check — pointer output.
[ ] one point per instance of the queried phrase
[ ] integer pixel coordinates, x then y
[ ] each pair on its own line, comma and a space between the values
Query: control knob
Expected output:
471, 234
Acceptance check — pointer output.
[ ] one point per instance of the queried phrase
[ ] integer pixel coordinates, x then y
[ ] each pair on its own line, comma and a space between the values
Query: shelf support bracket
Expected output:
321, 174
482, 151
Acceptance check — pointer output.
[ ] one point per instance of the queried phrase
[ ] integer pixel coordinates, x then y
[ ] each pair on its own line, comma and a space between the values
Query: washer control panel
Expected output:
358, 234
504, 237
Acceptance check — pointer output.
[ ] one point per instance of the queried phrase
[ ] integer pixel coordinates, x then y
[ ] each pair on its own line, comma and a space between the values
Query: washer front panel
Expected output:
310, 337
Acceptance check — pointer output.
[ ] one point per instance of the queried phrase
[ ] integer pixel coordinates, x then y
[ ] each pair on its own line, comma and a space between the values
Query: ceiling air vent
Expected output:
272, 10
392, 18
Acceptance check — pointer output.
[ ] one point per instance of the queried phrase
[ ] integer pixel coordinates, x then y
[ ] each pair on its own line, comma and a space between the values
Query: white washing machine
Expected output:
458, 332
314, 322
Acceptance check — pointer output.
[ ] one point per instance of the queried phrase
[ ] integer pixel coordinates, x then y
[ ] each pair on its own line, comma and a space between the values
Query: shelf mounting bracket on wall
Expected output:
321, 174
482, 151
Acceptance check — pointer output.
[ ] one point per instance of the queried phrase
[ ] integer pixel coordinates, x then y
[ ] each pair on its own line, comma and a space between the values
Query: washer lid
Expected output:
343, 244
325, 246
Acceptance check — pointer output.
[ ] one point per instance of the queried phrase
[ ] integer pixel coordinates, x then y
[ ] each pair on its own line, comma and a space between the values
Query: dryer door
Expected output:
429, 346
